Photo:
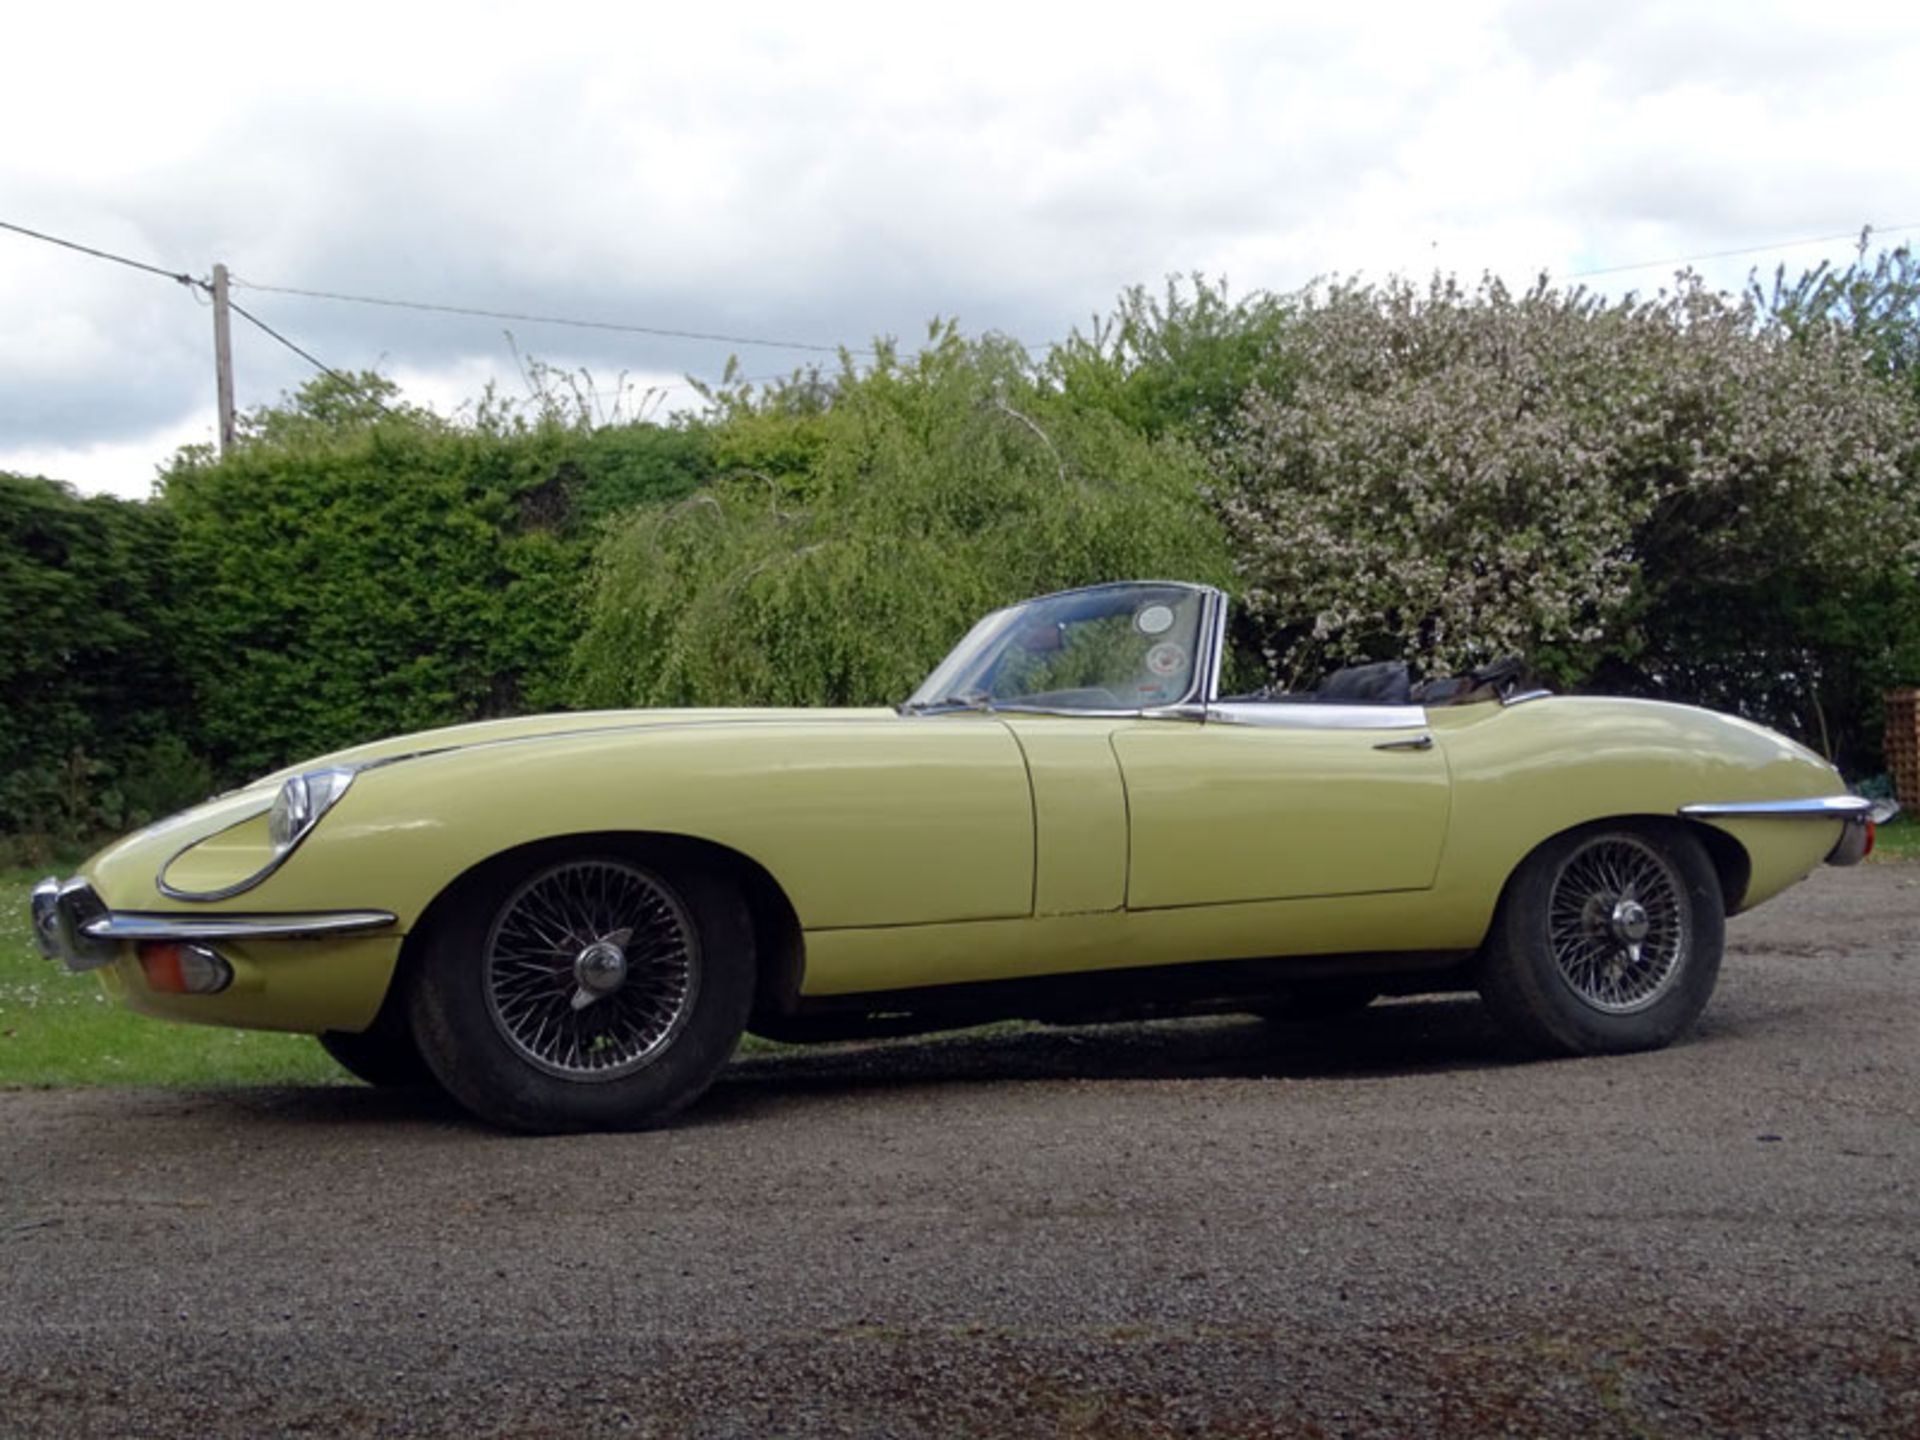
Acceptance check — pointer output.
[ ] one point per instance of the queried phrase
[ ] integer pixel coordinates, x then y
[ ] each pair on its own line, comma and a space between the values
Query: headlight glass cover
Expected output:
301, 803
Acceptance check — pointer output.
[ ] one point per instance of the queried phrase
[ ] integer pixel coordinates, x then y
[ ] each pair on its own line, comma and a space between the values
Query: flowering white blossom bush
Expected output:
1618, 491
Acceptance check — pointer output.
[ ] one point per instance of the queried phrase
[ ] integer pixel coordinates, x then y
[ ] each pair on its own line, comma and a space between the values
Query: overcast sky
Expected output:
828, 173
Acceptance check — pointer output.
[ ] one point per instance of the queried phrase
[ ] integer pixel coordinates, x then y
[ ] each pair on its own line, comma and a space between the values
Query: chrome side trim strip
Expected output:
1524, 696
1823, 807
124, 925
1309, 715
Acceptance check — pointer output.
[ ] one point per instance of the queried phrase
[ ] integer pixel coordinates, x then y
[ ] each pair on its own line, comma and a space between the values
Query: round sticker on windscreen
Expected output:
1154, 620
1166, 659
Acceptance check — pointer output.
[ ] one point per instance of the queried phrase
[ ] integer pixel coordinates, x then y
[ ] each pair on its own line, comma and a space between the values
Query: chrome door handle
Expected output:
1419, 742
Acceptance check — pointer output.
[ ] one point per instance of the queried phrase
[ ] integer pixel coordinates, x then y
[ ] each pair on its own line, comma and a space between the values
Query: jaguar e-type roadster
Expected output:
567, 921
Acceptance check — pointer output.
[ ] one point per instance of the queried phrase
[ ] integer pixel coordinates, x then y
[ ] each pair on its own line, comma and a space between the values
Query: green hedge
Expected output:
93, 709
393, 572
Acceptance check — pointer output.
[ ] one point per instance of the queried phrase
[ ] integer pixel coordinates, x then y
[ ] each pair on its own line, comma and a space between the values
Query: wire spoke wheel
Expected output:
592, 968
1617, 924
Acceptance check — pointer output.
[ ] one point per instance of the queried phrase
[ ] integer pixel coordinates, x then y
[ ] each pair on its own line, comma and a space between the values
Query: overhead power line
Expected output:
523, 317
198, 286
1744, 250
195, 283
216, 289
262, 325
179, 276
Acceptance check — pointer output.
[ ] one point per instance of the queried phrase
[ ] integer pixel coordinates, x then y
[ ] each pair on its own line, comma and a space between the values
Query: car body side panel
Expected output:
848, 962
1781, 852
1524, 773
1225, 813
521, 729
1080, 814
907, 846
889, 822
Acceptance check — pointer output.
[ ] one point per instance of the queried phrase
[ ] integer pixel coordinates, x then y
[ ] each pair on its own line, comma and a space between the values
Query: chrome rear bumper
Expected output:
1859, 814
72, 924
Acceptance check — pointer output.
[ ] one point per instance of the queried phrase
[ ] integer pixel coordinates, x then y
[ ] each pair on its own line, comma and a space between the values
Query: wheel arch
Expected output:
779, 946
1524, 981
1730, 860
1729, 857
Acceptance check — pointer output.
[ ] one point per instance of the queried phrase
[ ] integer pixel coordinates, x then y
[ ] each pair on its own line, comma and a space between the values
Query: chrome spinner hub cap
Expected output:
1629, 921
600, 969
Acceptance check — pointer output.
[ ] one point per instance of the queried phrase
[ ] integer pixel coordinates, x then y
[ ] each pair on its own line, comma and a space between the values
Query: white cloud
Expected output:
835, 172
127, 468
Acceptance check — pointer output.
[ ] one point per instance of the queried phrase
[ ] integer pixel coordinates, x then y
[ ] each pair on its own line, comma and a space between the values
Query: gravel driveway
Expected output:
1374, 1227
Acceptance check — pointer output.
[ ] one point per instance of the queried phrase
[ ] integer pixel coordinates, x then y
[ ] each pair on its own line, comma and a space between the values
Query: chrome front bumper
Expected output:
72, 924
62, 911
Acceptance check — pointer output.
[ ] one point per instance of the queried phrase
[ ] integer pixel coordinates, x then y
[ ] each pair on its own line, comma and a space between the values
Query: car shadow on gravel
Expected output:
349, 1105
1390, 1038
1393, 1038
1399, 1038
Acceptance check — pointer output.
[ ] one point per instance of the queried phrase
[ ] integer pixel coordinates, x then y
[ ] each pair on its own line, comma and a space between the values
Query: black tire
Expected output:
1318, 1000
1562, 970
384, 1054
497, 1003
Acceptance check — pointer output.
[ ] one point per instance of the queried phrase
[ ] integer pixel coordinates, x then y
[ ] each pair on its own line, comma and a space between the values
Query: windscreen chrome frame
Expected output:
1209, 637
1202, 703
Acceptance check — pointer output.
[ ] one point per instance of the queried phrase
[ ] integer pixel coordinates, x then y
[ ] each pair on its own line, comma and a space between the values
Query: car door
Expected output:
1276, 801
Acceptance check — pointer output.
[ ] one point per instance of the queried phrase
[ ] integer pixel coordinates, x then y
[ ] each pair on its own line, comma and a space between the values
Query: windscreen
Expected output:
1112, 647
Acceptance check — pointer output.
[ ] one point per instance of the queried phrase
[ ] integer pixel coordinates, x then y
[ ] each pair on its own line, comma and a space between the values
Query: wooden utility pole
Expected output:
223, 357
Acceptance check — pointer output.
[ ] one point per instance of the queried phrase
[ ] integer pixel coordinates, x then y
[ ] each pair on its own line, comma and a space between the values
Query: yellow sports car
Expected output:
567, 921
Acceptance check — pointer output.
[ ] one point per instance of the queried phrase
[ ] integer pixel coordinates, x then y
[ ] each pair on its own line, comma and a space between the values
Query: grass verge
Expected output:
57, 1029
1899, 840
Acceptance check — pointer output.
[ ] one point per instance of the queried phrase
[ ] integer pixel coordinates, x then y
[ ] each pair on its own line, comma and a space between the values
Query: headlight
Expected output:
245, 851
300, 804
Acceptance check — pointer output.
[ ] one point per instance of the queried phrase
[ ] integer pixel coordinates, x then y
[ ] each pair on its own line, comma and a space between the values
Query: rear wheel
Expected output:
1608, 939
584, 991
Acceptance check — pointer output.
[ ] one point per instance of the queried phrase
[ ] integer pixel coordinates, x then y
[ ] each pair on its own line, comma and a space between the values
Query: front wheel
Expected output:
1608, 939
585, 991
